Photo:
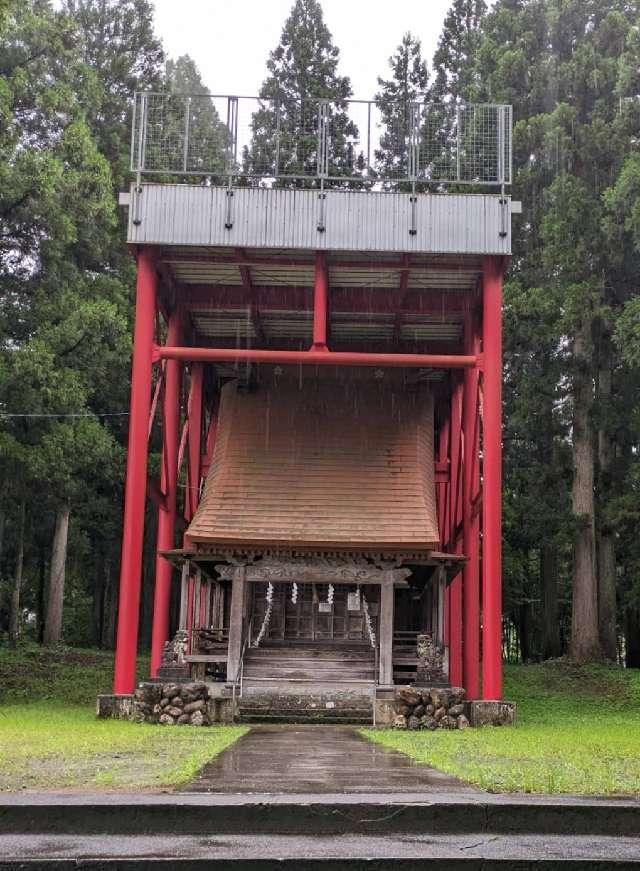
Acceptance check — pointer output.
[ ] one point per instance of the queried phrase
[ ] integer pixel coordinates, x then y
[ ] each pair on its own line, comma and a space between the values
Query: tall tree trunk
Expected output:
632, 636
523, 626
53, 621
551, 645
585, 636
42, 588
107, 634
606, 541
14, 609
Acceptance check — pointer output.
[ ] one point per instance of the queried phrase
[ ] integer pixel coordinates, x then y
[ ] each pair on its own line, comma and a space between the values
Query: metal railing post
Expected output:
185, 145
458, 141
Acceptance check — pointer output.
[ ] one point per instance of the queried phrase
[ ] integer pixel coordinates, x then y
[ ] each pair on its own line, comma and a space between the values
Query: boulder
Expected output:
430, 723
169, 690
400, 722
183, 719
456, 710
418, 711
164, 702
409, 696
440, 698
177, 702
429, 710
456, 695
448, 723
413, 723
192, 707
440, 713
173, 712
399, 707
463, 723
197, 718
166, 720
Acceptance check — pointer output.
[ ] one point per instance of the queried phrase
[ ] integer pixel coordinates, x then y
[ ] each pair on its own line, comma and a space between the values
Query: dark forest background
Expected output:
571, 69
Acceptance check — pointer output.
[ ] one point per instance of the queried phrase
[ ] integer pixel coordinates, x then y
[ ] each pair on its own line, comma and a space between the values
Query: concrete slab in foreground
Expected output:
304, 853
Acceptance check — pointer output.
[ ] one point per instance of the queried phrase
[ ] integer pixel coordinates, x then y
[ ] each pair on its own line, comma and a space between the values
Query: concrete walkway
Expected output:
318, 759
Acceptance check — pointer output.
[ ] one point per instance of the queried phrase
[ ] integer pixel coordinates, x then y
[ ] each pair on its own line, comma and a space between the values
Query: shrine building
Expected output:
319, 344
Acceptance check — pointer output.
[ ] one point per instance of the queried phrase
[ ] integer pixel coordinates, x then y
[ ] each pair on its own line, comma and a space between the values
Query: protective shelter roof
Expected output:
322, 462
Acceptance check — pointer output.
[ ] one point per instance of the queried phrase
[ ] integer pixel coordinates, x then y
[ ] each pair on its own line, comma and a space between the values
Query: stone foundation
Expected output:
430, 708
171, 704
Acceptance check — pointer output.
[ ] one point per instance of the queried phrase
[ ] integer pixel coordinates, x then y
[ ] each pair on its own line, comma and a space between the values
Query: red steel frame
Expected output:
168, 485
468, 498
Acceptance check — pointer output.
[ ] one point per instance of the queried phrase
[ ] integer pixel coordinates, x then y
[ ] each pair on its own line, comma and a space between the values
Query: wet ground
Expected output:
317, 759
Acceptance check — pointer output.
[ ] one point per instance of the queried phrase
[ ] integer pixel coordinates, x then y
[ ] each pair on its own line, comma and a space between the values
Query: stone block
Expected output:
115, 706
492, 713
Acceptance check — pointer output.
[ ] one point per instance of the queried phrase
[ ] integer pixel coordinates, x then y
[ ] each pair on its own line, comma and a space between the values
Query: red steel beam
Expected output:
136, 476
402, 289
343, 299
455, 600
372, 263
320, 304
315, 358
194, 412
250, 295
492, 480
471, 520
167, 513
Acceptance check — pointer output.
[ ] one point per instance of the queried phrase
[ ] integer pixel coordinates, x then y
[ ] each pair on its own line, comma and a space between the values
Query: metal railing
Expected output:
360, 142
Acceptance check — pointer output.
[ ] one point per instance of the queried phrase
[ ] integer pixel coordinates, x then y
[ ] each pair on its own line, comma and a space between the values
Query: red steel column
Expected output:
320, 304
455, 596
136, 476
167, 512
471, 522
492, 481
195, 437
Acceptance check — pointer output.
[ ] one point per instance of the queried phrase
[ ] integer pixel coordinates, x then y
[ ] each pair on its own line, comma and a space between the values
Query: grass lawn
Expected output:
578, 731
54, 740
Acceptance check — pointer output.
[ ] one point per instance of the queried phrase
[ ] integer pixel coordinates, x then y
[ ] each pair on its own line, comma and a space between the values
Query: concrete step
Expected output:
475, 851
479, 815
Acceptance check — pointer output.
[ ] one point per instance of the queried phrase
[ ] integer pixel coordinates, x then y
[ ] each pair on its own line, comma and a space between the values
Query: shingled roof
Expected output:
322, 463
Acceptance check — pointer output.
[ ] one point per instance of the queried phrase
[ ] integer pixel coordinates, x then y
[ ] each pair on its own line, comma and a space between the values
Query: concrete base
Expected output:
114, 706
491, 713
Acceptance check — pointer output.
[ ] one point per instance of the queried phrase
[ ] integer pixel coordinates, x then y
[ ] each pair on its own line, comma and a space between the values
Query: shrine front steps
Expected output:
317, 663
273, 702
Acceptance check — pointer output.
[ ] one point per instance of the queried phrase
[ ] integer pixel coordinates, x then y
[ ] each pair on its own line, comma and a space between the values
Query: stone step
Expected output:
306, 671
330, 718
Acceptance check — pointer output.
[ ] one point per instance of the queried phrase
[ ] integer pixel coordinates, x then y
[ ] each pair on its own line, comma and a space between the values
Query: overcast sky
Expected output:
231, 39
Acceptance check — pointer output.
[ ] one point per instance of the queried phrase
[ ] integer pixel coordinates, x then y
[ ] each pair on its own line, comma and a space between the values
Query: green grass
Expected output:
54, 741
578, 731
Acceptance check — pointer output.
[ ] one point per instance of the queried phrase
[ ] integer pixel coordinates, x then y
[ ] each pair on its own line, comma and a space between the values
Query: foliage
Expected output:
577, 732
302, 71
408, 84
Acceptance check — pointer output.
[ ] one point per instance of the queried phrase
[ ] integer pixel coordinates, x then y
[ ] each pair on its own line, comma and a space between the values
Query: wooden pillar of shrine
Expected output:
235, 623
386, 629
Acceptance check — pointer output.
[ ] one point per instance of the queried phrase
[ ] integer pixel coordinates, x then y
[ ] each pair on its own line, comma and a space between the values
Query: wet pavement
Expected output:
318, 760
